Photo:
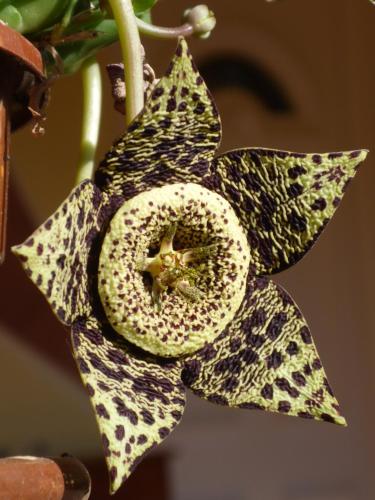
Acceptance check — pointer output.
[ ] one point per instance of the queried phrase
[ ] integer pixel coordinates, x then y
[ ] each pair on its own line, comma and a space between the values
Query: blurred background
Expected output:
292, 75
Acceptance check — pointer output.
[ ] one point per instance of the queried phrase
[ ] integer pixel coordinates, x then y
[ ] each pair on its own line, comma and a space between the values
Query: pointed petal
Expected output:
137, 401
284, 200
56, 255
172, 140
265, 359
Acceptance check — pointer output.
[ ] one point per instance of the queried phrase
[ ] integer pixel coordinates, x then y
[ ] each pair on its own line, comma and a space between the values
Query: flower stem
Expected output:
185, 29
92, 104
132, 56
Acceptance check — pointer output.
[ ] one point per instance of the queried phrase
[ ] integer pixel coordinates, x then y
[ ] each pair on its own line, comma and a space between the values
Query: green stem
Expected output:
92, 106
162, 32
132, 56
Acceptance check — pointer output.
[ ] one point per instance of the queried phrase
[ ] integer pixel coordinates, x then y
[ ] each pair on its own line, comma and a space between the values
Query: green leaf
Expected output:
140, 6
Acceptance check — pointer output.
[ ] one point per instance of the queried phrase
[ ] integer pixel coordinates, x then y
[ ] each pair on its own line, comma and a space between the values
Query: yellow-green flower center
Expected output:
173, 268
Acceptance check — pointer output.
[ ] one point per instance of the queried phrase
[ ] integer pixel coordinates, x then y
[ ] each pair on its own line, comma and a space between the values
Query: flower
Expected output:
161, 269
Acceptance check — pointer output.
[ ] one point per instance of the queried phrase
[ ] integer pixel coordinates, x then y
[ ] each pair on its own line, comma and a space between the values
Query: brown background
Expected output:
320, 55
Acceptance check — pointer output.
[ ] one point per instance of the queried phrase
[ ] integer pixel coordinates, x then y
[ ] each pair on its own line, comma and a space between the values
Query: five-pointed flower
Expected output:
161, 269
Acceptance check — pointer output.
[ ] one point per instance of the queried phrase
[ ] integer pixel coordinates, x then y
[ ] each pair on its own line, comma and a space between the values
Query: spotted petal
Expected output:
265, 359
283, 199
172, 140
137, 401
56, 256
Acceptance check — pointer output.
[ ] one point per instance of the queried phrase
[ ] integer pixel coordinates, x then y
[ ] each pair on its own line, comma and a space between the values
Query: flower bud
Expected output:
202, 19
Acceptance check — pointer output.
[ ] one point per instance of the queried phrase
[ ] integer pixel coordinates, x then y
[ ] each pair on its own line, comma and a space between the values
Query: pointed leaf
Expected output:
265, 359
137, 401
172, 140
283, 199
57, 254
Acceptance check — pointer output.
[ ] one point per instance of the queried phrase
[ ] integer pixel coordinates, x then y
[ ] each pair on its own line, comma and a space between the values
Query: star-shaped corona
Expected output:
161, 268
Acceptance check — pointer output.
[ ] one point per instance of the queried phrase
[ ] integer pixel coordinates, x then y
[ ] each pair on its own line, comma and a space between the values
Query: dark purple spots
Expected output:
235, 344
149, 131
274, 360
305, 414
317, 364
199, 80
105, 441
296, 171
208, 352
307, 369
190, 372
299, 379
39, 249
61, 314
184, 91
68, 223
120, 432
306, 335
283, 384
83, 366
128, 449
317, 159
249, 356
123, 411
336, 201
171, 104
158, 92
48, 224
94, 336
200, 108
229, 384
163, 432
102, 411
182, 106
297, 222
292, 348
255, 340
319, 204
295, 190
276, 325
267, 391
117, 356
327, 418
284, 407
90, 390
332, 156
113, 473
251, 406
142, 439
217, 399
60, 261
147, 417
177, 415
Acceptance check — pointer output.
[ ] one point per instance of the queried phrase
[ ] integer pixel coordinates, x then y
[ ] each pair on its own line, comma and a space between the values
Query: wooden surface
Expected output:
4, 174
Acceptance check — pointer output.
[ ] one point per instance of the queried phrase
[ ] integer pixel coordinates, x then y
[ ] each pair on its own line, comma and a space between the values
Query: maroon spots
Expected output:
327, 418
317, 364
163, 432
276, 325
229, 384
217, 399
296, 171
299, 379
317, 159
123, 411
284, 407
171, 104
305, 414
267, 391
90, 390
200, 108
113, 473
177, 415
102, 411
249, 356
147, 417
48, 224
190, 372
105, 442
284, 385
128, 448
306, 335
297, 222
158, 92
235, 344
274, 360
307, 369
39, 249
83, 366
319, 204
142, 439
251, 406
295, 190
336, 201
29, 242
292, 348
120, 432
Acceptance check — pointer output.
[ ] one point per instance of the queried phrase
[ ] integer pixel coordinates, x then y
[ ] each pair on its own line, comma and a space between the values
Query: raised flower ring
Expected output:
160, 267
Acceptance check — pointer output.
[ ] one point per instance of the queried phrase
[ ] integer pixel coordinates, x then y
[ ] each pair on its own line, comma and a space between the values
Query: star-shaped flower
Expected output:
161, 269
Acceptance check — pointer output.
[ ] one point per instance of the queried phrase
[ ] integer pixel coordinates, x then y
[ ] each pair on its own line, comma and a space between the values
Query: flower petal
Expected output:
172, 140
265, 359
283, 199
57, 254
137, 401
